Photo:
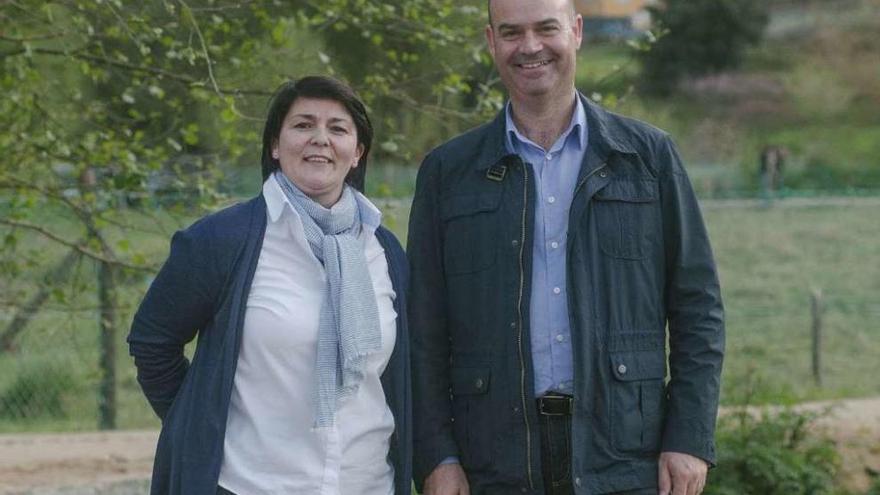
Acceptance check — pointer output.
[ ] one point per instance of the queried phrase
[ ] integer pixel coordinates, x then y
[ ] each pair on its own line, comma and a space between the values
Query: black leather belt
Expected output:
555, 405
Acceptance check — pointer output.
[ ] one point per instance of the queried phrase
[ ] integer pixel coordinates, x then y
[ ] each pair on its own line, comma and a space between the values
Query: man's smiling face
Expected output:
534, 44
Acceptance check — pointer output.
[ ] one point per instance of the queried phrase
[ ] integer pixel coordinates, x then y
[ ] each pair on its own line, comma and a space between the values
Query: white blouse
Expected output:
271, 446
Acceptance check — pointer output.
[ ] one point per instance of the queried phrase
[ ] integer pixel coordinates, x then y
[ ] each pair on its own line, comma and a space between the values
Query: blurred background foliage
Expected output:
124, 121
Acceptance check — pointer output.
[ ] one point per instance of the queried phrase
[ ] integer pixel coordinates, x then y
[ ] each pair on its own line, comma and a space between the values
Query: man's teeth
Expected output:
533, 65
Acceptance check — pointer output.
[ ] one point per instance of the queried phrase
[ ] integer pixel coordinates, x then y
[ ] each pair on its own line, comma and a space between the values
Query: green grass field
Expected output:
770, 259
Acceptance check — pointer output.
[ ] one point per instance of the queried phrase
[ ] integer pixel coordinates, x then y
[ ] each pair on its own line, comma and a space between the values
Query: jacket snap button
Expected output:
621, 369
478, 383
577, 481
603, 174
515, 242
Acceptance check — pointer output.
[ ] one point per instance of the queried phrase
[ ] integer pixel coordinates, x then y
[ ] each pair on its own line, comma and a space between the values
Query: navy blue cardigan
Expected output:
202, 289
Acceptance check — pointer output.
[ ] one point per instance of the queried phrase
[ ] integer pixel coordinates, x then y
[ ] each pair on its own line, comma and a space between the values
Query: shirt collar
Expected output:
276, 200
577, 125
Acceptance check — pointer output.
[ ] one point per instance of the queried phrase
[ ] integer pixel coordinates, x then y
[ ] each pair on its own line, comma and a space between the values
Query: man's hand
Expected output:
447, 479
682, 474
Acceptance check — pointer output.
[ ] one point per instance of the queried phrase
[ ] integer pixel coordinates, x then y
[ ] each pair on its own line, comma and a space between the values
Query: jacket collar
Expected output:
601, 139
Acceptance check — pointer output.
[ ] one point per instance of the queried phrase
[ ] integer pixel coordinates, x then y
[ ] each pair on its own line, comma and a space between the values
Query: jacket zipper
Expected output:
522, 363
576, 189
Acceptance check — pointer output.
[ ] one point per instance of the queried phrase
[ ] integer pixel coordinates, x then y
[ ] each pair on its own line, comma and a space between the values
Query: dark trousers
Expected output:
556, 454
223, 491
556, 457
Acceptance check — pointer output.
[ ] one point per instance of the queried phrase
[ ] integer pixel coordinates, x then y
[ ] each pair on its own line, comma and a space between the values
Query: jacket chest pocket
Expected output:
470, 227
637, 400
626, 213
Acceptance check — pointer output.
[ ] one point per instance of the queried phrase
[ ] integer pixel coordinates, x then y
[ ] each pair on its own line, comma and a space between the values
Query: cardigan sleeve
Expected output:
177, 305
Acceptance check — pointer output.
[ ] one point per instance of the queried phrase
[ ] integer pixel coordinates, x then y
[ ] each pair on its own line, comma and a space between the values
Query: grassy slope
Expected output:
812, 86
770, 261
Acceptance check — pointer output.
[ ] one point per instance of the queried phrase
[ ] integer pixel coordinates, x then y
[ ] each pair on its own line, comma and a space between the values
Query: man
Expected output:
549, 250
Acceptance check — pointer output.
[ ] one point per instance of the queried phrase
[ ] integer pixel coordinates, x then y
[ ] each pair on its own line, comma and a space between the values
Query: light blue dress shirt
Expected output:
556, 172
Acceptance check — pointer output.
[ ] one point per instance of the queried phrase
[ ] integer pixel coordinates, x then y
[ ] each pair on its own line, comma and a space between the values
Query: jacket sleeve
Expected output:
178, 303
432, 408
695, 316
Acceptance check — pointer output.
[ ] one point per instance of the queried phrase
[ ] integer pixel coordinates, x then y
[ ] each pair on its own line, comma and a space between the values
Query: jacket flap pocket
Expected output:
629, 190
470, 380
638, 365
469, 204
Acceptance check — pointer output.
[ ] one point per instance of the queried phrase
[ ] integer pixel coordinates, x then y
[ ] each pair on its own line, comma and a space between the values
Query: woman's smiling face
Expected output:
317, 147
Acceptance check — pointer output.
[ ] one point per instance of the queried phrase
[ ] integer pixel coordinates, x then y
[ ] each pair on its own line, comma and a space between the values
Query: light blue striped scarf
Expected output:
348, 331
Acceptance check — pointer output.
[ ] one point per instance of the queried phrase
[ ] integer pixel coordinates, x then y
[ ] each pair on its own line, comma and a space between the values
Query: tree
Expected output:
700, 37
102, 100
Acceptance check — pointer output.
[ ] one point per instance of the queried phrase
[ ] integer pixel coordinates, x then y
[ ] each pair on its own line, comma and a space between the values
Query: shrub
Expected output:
773, 453
36, 392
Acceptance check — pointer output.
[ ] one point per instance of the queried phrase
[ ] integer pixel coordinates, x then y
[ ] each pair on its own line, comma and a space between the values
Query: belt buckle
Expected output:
551, 398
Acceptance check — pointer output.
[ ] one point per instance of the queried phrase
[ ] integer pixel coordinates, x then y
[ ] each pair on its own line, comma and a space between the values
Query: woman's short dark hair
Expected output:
323, 88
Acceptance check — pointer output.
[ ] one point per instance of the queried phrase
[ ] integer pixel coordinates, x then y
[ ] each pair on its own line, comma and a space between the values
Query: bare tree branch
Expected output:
73, 245
140, 68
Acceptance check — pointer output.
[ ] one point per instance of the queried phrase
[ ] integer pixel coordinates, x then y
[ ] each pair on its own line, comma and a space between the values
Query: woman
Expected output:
300, 378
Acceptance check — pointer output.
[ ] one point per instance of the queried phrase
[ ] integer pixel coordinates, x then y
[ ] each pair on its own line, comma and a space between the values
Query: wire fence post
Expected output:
108, 320
817, 308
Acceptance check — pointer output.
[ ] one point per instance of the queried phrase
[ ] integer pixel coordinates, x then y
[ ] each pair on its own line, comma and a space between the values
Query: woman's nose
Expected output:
319, 137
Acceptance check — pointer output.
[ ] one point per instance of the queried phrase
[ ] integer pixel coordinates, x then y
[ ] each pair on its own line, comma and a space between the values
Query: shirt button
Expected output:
551, 199
621, 369
554, 244
560, 338
557, 290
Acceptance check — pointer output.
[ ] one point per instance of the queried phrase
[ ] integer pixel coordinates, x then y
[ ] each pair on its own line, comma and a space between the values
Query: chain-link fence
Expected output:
53, 357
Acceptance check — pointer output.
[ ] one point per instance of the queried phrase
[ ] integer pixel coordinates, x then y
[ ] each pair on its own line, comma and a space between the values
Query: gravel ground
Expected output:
119, 463
102, 463
132, 487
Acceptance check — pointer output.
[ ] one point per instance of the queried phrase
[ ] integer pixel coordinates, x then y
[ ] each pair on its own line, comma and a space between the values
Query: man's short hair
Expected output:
489, 9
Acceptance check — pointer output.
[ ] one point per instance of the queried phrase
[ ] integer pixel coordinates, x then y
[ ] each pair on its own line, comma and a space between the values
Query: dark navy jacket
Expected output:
640, 274
202, 289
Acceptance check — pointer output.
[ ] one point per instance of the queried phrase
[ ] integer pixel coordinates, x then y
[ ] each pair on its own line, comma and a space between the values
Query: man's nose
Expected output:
531, 43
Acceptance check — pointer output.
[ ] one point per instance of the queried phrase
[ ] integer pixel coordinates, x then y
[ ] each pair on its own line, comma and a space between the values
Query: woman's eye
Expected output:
301, 125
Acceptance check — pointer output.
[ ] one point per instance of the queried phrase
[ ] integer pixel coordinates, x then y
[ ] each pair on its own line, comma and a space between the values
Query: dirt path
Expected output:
855, 426
44, 463
118, 463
